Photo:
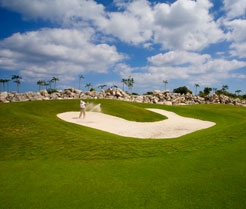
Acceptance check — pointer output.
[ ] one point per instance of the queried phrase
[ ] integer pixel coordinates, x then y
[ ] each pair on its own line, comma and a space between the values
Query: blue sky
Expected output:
185, 42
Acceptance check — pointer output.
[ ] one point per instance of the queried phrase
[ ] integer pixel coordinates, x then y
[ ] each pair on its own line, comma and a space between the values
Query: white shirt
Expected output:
82, 104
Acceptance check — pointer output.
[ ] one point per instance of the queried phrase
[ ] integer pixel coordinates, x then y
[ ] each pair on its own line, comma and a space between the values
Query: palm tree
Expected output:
130, 82
124, 81
17, 79
114, 86
3, 81
49, 82
165, 82
18, 85
46, 84
238, 91
80, 78
40, 83
88, 85
196, 85
7, 81
54, 79
102, 86
224, 88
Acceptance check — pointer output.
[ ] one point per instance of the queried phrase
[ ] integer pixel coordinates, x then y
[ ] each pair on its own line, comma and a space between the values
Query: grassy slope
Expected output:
48, 163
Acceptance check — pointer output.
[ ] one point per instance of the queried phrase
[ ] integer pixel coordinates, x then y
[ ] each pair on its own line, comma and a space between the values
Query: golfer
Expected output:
82, 108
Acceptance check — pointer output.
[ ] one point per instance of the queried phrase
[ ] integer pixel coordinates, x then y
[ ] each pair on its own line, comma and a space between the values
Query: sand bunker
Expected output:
174, 126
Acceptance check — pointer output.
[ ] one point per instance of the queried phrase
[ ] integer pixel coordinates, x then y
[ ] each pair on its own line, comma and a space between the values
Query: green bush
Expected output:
182, 90
149, 93
50, 91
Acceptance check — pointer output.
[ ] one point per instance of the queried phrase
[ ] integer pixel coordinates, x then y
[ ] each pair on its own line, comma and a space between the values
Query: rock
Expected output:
44, 93
76, 91
118, 93
169, 103
3, 96
157, 97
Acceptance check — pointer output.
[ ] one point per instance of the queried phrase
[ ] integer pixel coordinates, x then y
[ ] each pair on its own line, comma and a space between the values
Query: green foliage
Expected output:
50, 91
182, 90
226, 93
48, 163
149, 93
129, 82
205, 92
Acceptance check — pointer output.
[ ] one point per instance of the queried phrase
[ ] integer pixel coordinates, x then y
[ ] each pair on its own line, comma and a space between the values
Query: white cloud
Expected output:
188, 67
178, 58
235, 8
133, 25
234, 23
124, 70
215, 72
185, 25
61, 11
44, 9
236, 35
56, 51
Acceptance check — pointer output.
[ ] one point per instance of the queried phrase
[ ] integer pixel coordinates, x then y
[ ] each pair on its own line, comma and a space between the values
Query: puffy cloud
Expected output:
235, 8
189, 67
214, 72
60, 11
133, 25
56, 52
124, 70
178, 58
236, 35
234, 24
185, 25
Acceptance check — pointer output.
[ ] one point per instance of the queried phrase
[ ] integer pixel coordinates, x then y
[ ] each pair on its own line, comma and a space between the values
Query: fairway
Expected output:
49, 163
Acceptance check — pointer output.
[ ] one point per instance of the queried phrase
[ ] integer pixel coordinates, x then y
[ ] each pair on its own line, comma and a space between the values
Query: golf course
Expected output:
46, 162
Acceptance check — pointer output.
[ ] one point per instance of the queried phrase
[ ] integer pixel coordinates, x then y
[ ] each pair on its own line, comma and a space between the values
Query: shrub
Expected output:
148, 93
50, 91
182, 90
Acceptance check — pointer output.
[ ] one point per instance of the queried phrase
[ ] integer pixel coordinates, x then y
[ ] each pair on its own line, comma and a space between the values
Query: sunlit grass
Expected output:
49, 163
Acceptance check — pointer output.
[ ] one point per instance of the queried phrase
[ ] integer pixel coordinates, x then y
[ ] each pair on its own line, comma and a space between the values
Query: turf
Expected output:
49, 163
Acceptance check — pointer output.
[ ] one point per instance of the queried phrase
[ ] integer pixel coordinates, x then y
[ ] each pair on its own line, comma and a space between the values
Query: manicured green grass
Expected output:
49, 163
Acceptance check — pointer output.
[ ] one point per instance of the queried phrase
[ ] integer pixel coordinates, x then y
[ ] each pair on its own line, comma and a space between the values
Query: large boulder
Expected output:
3, 96
44, 93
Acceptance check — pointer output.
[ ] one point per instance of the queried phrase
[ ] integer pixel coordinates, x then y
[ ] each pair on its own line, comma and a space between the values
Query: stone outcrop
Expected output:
158, 97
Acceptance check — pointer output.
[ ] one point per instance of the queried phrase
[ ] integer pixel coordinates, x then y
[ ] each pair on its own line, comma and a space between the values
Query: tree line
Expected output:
49, 83
15, 78
208, 90
129, 82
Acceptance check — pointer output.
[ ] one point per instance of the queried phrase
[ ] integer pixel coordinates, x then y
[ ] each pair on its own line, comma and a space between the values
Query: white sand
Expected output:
174, 126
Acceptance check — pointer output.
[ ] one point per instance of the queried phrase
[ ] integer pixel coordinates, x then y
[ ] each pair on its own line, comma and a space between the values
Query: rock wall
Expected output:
158, 97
